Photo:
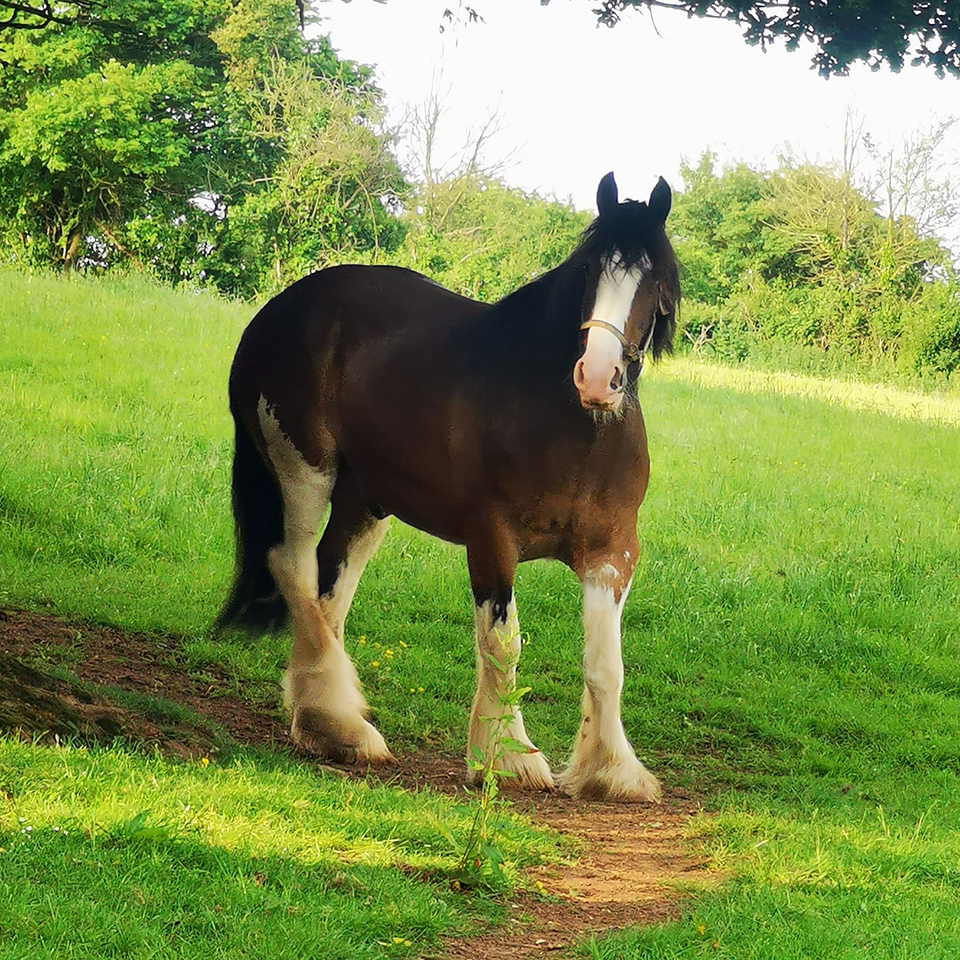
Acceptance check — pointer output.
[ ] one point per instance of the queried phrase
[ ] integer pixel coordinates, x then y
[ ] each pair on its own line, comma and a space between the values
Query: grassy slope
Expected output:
804, 625
791, 638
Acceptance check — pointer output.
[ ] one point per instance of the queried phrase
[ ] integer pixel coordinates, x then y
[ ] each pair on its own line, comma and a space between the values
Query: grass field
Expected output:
792, 642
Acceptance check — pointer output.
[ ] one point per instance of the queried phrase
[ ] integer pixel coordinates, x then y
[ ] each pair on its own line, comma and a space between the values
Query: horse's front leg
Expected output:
603, 764
497, 736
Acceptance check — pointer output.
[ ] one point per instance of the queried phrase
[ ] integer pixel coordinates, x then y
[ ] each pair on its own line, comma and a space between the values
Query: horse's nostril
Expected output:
617, 380
578, 375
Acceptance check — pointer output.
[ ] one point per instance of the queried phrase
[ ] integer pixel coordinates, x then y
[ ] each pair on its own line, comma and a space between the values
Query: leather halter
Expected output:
630, 351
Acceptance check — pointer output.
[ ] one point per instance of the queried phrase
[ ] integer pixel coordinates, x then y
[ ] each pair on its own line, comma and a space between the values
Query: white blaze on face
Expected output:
601, 363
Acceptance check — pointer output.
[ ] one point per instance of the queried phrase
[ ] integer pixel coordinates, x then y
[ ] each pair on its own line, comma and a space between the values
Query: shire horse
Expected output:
511, 428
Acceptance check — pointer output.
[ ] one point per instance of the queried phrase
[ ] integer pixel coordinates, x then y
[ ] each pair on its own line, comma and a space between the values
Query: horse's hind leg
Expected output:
323, 693
351, 537
321, 684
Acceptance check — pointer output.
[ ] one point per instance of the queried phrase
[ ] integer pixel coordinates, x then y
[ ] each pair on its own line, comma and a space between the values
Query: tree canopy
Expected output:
921, 32
212, 142
892, 32
15, 15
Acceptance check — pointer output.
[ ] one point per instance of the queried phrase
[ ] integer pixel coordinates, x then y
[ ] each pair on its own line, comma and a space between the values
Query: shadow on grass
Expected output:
146, 890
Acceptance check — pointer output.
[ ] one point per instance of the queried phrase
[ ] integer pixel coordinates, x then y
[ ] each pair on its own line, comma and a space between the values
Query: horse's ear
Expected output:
660, 201
607, 195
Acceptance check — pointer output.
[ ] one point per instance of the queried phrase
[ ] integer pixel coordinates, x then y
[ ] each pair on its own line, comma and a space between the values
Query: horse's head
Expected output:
632, 290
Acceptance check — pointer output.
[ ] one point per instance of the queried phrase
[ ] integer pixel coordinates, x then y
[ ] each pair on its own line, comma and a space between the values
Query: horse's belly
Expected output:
425, 496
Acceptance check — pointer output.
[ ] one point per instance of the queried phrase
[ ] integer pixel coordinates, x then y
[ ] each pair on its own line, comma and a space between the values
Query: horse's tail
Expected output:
255, 603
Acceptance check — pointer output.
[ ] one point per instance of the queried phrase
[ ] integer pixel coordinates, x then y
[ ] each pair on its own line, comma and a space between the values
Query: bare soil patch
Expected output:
98, 665
60, 679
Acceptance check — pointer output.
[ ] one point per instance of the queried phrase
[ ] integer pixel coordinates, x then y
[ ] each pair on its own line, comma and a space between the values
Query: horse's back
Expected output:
298, 350
331, 335
365, 300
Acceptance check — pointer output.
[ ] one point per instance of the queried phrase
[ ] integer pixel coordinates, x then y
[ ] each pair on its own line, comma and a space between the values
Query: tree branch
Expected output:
40, 15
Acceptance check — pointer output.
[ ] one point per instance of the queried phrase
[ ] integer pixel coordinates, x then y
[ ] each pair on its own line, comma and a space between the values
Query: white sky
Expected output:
577, 100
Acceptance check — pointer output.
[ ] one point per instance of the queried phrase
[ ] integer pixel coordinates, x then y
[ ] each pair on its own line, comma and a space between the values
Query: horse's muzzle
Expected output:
611, 405
599, 389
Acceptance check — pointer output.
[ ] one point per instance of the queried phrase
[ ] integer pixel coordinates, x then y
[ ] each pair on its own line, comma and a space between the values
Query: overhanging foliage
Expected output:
892, 32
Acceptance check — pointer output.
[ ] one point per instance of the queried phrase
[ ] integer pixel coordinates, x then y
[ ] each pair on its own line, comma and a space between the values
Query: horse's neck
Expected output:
530, 338
546, 311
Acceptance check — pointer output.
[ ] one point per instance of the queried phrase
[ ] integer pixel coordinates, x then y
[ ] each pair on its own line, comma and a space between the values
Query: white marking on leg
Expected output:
493, 716
321, 687
603, 661
603, 763
306, 492
361, 549
324, 696
608, 576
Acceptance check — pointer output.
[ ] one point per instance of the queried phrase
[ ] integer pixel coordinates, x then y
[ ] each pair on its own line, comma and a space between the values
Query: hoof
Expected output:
357, 742
529, 771
626, 779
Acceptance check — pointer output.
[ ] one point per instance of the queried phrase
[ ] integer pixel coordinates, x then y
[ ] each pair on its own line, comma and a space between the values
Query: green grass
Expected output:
910, 404
116, 437
108, 853
791, 640
834, 366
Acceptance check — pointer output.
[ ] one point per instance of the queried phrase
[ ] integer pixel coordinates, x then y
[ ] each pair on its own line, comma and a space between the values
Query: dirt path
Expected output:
630, 860
630, 855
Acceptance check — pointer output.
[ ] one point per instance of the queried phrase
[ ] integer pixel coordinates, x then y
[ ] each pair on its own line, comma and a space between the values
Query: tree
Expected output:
193, 145
464, 226
332, 193
16, 15
94, 126
915, 181
441, 181
924, 32
802, 255
717, 228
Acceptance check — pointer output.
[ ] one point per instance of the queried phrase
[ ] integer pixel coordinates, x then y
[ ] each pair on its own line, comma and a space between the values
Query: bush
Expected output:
931, 331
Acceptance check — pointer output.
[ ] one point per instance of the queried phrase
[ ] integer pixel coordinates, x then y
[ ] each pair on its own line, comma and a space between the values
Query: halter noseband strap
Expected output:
632, 352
